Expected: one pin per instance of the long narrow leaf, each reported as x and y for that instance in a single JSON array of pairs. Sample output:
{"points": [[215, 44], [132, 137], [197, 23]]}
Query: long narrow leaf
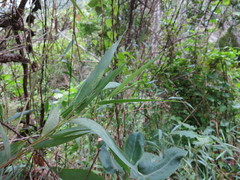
{"points": [[96, 75], [18, 114], [103, 82], [101, 132], [1, 112], [127, 101], [90, 86], [57, 141], [70, 132], [6, 143], [70, 44], [14, 149], [75, 4], [134, 100], [71, 174], [52, 121]]}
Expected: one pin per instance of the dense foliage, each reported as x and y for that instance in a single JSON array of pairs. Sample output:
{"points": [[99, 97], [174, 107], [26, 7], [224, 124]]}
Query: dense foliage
{"points": [[120, 89]]}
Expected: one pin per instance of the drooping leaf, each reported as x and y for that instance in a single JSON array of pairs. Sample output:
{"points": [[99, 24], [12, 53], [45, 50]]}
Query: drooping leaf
{"points": [[101, 132], [161, 170], [6, 143], [52, 121], [148, 162], [134, 147], [18, 114], [109, 164], [71, 174], [154, 168]]}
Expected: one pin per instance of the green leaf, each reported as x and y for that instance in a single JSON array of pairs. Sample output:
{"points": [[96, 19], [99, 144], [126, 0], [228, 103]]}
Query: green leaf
{"points": [[148, 162], [15, 148], [131, 77], [62, 136], [70, 132], [71, 174], [85, 93], [70, 45], [202, 140], [111, 85], [93, 3], [109, 164], [155, 168], [103, 82], [129, 101], [236, 106], [109, 23], [189, 134], [18, 114], [101, 132], [161, 170], [134, 147], [98, 10], [56, 141], [96, 75], [1, 112], [6, 143], [226, 2], [52, 121]]}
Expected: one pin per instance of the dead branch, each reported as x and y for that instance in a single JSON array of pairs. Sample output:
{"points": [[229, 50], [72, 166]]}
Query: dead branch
{"points": [[5, 58]]}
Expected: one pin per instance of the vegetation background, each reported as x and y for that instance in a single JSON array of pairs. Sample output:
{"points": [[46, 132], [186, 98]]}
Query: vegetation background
{"points": [[120, 89]]}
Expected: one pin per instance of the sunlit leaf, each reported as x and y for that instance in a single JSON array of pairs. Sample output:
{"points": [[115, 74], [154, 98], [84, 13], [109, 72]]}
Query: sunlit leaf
{"points": [[111, 85]]}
